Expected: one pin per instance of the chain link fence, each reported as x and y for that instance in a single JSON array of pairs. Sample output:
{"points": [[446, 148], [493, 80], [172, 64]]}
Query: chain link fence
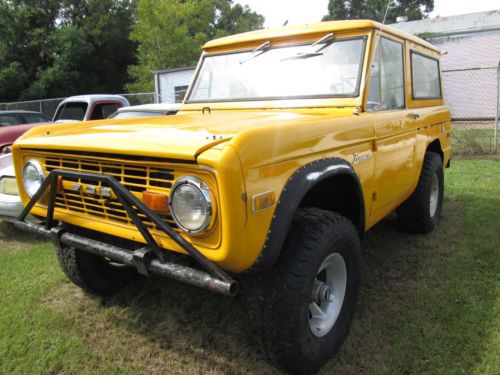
{"points": [[141, 98], [48, 106], [473, 96]]}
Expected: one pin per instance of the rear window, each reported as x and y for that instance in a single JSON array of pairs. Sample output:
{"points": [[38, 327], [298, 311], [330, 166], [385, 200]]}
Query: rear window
{"points": [[425, 77], [72, 111]]}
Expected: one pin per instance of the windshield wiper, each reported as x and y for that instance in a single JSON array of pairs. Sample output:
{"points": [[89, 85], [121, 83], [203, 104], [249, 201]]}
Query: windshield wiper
{"points": [[325, 41], [264, 47]]}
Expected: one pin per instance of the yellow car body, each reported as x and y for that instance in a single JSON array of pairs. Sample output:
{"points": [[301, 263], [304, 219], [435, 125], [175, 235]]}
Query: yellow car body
{"points": [[248, 151]]}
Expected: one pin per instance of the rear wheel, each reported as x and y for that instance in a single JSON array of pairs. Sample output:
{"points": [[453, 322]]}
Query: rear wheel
{"points": [[309, 300], [422, 211], [93, 273]]}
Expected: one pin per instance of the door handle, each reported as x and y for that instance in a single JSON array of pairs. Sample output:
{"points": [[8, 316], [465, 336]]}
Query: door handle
{"points": [[413, 115]]}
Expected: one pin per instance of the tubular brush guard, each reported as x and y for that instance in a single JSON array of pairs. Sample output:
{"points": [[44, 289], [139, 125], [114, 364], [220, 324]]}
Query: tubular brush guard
{"points": [[150, 259]]}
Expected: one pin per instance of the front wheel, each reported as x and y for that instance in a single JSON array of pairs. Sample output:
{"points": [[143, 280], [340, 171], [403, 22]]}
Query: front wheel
{"points": [[92, 273], [309, 302]]}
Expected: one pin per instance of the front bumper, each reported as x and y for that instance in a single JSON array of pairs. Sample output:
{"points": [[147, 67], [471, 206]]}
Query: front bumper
{"points": [[150, 259]]}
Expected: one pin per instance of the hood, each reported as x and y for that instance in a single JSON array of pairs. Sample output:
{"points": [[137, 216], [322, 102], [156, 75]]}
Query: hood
{"points": [[183, 136]]}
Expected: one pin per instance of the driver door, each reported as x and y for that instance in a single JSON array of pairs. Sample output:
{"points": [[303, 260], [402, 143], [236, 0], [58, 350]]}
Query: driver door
{"points": [[395, 133]]}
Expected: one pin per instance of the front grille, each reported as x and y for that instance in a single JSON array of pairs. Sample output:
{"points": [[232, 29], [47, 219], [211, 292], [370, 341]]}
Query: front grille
{"points": [[136, 177]]}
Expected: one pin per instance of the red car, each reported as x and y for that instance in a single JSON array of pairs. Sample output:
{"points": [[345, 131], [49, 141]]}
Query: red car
{"points": [[13, 124]]}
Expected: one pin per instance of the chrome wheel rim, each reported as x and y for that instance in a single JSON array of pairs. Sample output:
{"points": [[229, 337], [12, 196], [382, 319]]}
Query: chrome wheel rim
{"points": [[327, 295], [434, 197]]}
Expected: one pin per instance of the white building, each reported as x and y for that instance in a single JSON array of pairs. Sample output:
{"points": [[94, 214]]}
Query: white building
{"points": [[171, 85]]}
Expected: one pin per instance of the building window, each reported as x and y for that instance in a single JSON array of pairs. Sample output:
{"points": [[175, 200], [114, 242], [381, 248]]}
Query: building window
{"points": [[425, 77], [180, 92], [387, 79]]}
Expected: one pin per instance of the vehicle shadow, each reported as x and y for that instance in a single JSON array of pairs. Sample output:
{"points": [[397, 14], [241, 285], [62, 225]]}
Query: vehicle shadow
{"points": [[212, 333]]}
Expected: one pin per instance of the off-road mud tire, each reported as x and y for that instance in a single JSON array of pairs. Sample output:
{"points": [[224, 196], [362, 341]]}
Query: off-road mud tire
{"points": [[93, 273], [284, 312], [414, 215]]}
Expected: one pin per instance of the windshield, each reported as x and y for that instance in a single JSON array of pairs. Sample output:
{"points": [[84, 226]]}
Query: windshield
{"points": [[331, 70]]}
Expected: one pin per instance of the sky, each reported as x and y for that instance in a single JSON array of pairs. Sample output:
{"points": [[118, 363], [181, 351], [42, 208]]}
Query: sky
{"points": [[297, 12]]}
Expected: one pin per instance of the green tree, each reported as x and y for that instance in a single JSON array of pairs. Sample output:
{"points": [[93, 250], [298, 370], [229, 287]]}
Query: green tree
{"points": [[69, 72], [25, 28], [170, 33], [54, 48], [106, 26], [375, 9]]}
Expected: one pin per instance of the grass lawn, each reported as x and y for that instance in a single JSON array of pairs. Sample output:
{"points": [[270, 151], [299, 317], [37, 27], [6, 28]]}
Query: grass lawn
{"points": [[428, 304]]}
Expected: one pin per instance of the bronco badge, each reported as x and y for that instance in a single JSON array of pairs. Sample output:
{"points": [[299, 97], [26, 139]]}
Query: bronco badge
{"points": [[361, 157]]}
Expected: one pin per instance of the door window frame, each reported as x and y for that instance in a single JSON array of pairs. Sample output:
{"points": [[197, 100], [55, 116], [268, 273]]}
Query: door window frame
{"points": [[377, 36]]}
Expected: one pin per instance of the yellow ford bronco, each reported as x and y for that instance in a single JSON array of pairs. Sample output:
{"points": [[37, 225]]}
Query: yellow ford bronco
{"points": [[290, 144]]}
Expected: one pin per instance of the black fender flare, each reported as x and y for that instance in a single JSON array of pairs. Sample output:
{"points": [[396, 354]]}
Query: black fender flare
{"points": [[299, 183]]}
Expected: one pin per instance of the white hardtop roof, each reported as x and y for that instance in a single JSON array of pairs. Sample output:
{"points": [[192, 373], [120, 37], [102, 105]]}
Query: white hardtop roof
{"points": [[95, 97], [152, 107]]}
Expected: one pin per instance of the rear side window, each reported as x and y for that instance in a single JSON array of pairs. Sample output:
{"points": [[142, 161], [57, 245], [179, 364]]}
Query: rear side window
{"points": [[72, 111], [425, 77], [104, 110]]}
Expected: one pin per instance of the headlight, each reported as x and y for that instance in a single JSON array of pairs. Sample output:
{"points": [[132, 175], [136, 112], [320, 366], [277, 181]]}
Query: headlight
{"points": [[8, 185], [32, 177], [190, 204]]}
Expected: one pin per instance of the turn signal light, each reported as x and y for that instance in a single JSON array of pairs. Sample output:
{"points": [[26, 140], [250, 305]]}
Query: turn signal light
{"points": [[263, 201], [155, 201]]}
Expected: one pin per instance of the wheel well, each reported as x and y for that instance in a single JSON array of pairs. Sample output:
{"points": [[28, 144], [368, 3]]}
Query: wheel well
{"points": [[339, 194], [435, 146]]}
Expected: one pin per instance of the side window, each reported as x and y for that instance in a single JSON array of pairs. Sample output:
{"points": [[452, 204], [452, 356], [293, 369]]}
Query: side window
{"points": [[387, 78], [104, 110], [425, 80]]}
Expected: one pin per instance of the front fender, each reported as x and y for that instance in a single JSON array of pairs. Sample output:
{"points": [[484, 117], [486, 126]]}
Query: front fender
{"points": [[303, 180]]}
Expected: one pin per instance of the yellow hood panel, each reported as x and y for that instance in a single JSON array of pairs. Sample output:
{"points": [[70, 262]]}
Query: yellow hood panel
{"points": [[183, 136]]}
